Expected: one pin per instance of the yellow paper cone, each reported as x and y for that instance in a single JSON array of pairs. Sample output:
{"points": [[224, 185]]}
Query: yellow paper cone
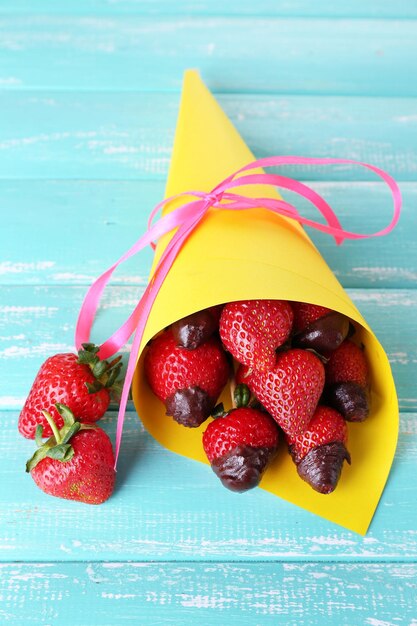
{"points": [[254, 254]]}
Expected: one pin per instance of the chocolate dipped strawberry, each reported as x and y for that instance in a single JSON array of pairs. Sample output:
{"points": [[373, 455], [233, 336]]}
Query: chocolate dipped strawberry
{"points": [[189, 382], [251, 330], [319, 452], [347, 377], [347, 364], [76, 462], [306, 313], [350, 399], [289, 391], [193, 330], [324, 334], [240, 445]]}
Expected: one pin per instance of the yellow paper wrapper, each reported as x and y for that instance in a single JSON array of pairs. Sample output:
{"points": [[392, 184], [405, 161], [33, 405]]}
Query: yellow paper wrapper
{"points": [[254, 254]]}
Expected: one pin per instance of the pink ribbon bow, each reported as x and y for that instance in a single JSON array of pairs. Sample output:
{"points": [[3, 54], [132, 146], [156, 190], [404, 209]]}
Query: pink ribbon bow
{"points": [[185, 219]]}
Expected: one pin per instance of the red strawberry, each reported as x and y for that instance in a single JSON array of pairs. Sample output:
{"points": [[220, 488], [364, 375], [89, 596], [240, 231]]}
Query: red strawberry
{"points": [[347, 364], [193, 330], [76, 463], [187, 381], [305, 314], [253, 329], [239, 446], [290, 391], [320, 450], [82, 382]]}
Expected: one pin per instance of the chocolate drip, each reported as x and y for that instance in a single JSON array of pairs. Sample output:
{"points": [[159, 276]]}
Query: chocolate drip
{"points": [[241, 469], [350, 399], [323, 335], [189, 407], [322, 466], [193, 330]]}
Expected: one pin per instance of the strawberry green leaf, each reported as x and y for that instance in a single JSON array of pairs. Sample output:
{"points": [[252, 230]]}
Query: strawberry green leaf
{"points": [[94, 387], [90, 347], [63, 452], [218, 411], [115, 361], [66, 414], [38, 435], [86, 358], [40, 454], [99, 368], [113, 376], [73, 430]]}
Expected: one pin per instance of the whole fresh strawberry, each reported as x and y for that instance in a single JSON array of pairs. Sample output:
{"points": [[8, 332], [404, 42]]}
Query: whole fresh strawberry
{"points": [[319, 452], [347, 364], [193, 330], [291, 390], [82, 382], [76, 462], [251, 330], [187, 381], [239, 445], [305, 314]]}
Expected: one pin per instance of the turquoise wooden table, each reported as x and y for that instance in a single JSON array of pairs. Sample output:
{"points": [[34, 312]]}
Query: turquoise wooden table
{"points": [[89, 98]]}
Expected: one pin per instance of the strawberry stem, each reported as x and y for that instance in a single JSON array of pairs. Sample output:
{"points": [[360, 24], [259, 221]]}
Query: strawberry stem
{"points": [[53, 426], [105, 372], [38, 435], [241, 396]]}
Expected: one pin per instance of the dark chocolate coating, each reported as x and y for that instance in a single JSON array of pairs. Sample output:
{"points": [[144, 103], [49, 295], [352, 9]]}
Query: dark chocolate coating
{"points": [[350, 399], [325, 334], [241, 469], [189, 407], [322, 466], [193, 330]]}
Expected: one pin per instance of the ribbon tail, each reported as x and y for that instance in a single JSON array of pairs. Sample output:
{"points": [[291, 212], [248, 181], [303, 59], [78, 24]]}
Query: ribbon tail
{"points": [[146, 303]]}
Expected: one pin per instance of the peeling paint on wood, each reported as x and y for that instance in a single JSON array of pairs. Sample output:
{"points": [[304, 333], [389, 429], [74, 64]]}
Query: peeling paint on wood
{"points": [[84, 135], [247, 594]]}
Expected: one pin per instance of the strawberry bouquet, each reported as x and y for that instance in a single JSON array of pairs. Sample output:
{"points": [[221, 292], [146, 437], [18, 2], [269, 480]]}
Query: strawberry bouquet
{"points": [[279, 349], [245, 344]]}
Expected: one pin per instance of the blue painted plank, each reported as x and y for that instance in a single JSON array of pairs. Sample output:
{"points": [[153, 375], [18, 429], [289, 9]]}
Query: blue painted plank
{"points": [[36, 321], [114, 215], [166, 507], [130, 135], [246, 594], [345, 57], [276, 8]]}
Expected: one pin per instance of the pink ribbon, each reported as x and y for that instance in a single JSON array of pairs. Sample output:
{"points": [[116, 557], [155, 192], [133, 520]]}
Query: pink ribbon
{"points": [[185, 220]]}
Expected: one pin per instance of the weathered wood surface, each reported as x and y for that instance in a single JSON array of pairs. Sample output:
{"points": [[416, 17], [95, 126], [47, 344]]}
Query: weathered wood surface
{"points": [[89, 98], [278, 8], [115, 134], [250, 54], [257, 594]]}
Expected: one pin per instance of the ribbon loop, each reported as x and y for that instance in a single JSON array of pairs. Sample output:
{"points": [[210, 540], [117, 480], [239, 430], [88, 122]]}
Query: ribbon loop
{"points": [[183, 220]]}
